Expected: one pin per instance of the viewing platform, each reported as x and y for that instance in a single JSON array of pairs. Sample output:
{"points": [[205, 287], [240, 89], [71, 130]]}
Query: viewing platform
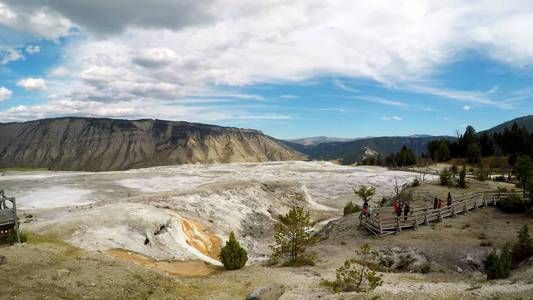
{"points": [[8, 216], [383, 221]]}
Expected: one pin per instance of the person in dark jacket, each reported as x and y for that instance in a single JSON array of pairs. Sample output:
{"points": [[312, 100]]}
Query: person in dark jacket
{"points": [[435, 203], [449, 200], [406, 210]]}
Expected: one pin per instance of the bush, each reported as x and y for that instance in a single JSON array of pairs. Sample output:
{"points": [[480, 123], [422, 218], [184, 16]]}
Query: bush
{"points": [[498, 265], [351, 208], [416, 182], [512, 204], [232, 255], [426, 268], [445, 177], [357, 274], [523, 248]]}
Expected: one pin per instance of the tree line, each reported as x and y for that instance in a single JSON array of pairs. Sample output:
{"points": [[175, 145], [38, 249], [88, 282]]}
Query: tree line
{"points": [[512, 142]]}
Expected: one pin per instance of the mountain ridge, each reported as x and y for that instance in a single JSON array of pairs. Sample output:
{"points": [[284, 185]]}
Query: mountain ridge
{"points": [[102, 144]]}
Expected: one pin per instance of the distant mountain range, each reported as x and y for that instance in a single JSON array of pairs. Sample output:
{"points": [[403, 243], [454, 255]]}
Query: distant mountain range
{"points": [[349, 151], [108, 144], [99, 144], [526, 121], [352, 151]]}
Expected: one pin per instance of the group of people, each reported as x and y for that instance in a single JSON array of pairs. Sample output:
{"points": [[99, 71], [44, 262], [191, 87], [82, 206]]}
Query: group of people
{"points": [[401, 207], [438, 203]]}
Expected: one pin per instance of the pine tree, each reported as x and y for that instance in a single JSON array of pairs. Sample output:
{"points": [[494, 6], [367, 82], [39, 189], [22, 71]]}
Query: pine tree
{"points": [[292, 238], [365, 193], [232, 255], [523, 248]]}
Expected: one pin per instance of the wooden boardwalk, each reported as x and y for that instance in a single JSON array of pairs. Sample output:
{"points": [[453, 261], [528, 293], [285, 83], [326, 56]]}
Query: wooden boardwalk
{"points": [[8, 216], [383, 221]]}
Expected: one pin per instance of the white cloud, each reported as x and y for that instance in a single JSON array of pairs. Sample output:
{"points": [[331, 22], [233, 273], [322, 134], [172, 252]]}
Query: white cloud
{"points": [[5, 93], [466, 107], [393, 118], [32, 49], [39, 21], [383, 101], [155, 51], [10, 55], [32, 84]]}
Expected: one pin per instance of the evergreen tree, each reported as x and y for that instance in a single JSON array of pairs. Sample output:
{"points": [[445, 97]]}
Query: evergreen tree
{"points": [[365, 193], [292, 238], [523, 248], [524, 170], [232, 255], [498, 265]]}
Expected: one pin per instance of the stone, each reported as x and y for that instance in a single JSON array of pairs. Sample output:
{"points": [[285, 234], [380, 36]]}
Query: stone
{"points": [[3, 260], [270, 292]]}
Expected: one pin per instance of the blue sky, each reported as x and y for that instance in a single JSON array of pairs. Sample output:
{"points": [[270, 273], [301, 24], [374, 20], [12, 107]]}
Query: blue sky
{"points": [[354, 74]]}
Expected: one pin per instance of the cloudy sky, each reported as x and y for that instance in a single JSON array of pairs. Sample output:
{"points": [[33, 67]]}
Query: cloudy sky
{"points": [[290, 68]]}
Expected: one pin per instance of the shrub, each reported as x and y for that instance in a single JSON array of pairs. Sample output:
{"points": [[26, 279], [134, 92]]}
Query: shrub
{"points": [[498, 265], [351, 208], [292, 237], [357, 274], [426, 268], [416, 182], [523, 248], [512, 204], [445, 177], [232, 255], [462, 178]]}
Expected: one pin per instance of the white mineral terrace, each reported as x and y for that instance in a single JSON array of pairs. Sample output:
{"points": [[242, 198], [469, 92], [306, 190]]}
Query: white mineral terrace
{"points": [[151, 205]]}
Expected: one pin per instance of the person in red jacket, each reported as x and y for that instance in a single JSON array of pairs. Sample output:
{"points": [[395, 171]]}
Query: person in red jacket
{"points": [[397, 207]]}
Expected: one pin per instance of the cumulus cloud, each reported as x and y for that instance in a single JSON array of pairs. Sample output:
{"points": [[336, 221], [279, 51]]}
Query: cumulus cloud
{"points": [[10, 55], [103, 16], [39, 21], [32, 84], [466, 107], [32, 49], [166, 50], [155, 57], [5, 93]]}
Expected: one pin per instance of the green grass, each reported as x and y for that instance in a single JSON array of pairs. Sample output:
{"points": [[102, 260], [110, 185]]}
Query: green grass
{"points": [[22, 169]]}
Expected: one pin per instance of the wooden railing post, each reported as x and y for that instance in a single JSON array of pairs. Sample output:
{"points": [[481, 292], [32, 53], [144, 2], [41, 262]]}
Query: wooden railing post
{"points": [[426, 221], [416, 223], [398, 227], [440, 215]]}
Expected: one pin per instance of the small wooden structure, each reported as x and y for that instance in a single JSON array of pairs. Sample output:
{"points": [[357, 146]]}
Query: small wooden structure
{"points": [[383, 221], [8, 216]]}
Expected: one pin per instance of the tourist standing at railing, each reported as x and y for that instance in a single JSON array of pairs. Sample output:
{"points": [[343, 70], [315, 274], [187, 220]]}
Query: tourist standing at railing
{"points": [[449, 200], [406, 210], [397, 207], [439, 203], [435, 203]]}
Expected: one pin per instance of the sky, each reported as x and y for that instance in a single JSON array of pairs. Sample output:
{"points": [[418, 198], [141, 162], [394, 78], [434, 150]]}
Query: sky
{"points": [[291, 69]]}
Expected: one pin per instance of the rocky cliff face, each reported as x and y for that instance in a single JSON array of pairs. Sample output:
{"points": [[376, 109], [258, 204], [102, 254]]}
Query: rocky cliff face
{"points": [[109, 144]]}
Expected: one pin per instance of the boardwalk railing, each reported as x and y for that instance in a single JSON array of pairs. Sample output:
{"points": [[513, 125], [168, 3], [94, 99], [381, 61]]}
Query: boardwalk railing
{"points": [[384, 220], [8, 216]]}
